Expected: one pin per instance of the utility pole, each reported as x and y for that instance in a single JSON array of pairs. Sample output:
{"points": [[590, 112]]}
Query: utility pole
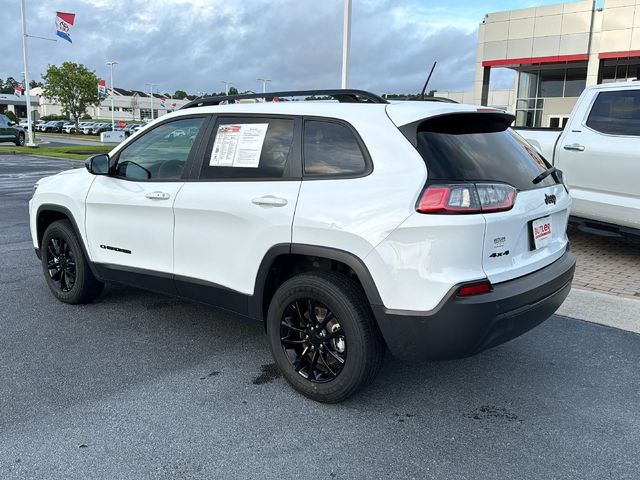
{"points": [[227, 83], [346, 42], [26, 76], [113, 121], [264, 83], [151, 85]]}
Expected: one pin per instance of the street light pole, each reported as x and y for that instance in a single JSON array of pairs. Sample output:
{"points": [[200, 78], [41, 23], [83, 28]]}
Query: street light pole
{"points": [[26, 77], [264, 83], [151, 85], [226, 86], [346, 42], [113, 120]]}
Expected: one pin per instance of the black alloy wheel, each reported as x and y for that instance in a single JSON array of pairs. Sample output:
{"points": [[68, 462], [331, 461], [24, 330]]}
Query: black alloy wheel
{"points": [[65, 266], [61, 264], [322, 335], [313, 340]]}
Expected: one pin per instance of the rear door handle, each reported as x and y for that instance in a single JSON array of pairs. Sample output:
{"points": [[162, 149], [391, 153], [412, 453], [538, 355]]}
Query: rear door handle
{"points": [[576, 147], [269, 201], [157, 195]]}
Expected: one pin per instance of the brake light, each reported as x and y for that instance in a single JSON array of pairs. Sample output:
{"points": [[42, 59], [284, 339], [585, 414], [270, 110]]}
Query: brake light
{"points": [[467, 198], [475, 289]]}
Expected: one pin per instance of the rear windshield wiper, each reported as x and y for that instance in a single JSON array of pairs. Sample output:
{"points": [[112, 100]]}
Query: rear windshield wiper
{"points": [[545, 174]]}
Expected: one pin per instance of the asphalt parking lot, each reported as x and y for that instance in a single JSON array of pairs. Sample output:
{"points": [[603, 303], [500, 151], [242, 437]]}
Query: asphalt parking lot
{"points": [[137, 385]]}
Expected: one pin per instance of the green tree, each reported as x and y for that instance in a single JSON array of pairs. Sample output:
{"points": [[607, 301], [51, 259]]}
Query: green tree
{"points": [[9, 85], [233, 91], [180, 95], [74, 86], [11, 116]]}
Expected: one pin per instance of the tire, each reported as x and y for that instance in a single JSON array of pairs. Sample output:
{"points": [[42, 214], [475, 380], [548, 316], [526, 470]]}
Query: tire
{"points": [[356, 339], [20, 141], [65, 267]]}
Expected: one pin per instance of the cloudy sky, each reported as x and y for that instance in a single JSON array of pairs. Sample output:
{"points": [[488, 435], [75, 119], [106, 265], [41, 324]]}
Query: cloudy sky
{"points": [[195, 44]]}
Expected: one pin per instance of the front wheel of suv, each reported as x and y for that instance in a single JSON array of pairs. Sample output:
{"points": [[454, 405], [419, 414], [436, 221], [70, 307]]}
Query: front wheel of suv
{"points": [[323, 337], [65, 267]]}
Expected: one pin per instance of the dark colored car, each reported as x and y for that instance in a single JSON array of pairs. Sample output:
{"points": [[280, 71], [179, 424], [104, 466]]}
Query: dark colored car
{"points": [[55, 127], [10, 131]]}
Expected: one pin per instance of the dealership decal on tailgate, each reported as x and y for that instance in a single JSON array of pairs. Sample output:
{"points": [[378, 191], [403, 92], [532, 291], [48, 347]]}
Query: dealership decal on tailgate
{"points": [[541, 232]]}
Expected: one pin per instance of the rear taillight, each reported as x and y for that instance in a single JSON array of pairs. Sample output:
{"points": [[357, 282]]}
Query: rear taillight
{"points": [[475, 289], [467, 198]]}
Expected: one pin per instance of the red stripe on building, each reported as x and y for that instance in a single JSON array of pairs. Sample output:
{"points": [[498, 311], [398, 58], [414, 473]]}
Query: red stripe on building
{"points": [[630, 53], [527, 61]]}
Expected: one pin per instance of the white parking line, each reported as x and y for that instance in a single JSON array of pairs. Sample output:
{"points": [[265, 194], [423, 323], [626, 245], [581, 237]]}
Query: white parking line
{"points": [[595, 307]]}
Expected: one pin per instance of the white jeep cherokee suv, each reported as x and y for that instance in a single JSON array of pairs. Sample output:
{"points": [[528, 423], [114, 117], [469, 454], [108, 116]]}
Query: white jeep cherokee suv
{"points": [[346, 227]]}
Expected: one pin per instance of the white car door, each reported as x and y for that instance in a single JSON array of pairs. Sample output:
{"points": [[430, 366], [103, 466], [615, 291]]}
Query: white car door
{"points": [[239, 205], [602, 162], [129, 213]]}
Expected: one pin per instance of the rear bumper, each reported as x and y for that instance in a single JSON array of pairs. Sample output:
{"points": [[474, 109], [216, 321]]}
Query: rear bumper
{"points": [[464, 326]]}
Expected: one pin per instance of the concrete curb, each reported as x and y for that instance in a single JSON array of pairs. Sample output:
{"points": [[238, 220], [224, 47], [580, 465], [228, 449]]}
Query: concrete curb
{"points": [[595, 307]]}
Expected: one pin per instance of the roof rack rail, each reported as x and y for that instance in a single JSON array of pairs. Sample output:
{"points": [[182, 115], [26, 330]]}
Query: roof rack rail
{"points": [[341, 95]]}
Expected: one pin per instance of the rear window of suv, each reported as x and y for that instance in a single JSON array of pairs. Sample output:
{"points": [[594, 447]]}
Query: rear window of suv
{"points": [[478, 147]]}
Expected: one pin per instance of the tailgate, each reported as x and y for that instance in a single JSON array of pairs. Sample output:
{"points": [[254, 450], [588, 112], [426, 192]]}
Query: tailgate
{"points": [[512, 247]]}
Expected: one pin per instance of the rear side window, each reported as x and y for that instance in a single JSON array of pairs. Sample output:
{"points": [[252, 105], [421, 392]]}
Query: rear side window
{"points": [[247, 148], [478, 147], [331, 148], [616, 113]]}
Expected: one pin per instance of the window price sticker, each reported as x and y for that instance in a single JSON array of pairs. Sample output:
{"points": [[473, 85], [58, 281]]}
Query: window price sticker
{"points": [[238, 145]]}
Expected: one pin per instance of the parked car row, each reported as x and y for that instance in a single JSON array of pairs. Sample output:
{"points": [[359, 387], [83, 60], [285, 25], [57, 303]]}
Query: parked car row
{"points": [[85, 128]]}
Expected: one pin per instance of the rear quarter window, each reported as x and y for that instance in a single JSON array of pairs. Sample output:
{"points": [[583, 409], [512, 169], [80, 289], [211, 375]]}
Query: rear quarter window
{"points": [[332, 149]]}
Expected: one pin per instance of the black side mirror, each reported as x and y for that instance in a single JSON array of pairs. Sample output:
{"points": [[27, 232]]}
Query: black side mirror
{"points": [[12, 123], [98, 164]]}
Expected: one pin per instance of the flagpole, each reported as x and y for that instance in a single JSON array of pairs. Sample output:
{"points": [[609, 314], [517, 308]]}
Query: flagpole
{"points": [[113, 121], [26, 76]]}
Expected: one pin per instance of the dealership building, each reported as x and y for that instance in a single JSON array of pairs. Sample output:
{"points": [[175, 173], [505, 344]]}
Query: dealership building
{"points": [[127, 105], [556, 51]]}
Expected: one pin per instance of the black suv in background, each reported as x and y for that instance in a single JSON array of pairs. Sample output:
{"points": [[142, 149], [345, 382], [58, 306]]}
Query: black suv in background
{"points": [[10, 131], [54, 127]]}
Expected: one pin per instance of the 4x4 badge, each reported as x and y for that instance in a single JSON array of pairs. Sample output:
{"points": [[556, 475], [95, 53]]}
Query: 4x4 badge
{"points": [[549, 199]]}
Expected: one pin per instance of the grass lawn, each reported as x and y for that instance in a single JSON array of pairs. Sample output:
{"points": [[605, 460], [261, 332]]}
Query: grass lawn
{"points": [[80, 152]]}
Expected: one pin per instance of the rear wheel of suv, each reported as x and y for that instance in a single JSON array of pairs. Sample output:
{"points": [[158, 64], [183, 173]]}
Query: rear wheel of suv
{"points": [[65, 267], [323, 337], [20, 141]]}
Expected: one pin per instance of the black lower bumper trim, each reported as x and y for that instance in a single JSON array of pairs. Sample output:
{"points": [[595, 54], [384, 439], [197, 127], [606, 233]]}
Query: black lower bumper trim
{"points": [[464, 326]]}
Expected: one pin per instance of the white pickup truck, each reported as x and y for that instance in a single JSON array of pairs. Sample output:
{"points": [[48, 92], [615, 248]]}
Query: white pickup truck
{"points": [[599, 153]]}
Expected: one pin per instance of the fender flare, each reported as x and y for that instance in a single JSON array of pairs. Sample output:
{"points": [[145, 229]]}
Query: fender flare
{"points": [[349, 259], [66, 212]]}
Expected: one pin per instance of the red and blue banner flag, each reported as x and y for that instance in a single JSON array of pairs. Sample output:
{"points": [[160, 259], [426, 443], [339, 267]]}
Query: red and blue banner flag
{"points": [[64, 21]]}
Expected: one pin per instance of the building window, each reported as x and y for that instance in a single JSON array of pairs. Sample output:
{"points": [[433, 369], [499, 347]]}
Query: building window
{"points": [[575, 82], [619, 70], [536, 85], [552, 83], [146, 113]]}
